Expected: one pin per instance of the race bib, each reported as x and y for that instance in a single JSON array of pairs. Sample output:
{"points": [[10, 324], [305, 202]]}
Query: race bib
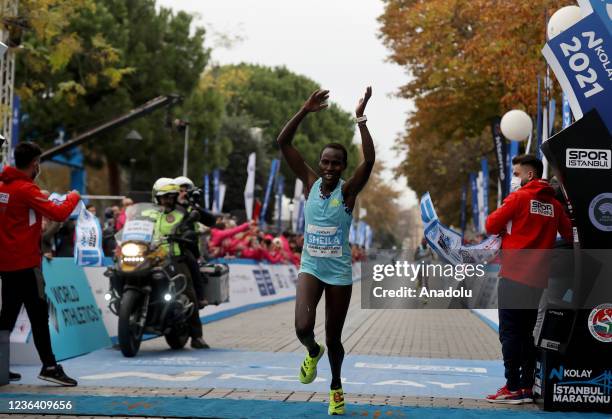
{"points": [[323, 242], [138, 230]]}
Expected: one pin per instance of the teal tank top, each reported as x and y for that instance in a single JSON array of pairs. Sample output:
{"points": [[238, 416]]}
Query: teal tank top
{"points": [[327, 253]]}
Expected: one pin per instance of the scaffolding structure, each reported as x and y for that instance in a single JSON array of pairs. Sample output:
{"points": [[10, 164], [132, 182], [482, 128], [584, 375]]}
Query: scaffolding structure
{"points": [[8, 8]]}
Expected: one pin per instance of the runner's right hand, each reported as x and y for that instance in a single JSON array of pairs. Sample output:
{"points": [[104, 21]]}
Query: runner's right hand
{"points": [[316, 101]]}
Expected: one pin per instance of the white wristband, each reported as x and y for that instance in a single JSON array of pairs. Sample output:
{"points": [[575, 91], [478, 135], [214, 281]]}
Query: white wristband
{"points": [[361, 119]]}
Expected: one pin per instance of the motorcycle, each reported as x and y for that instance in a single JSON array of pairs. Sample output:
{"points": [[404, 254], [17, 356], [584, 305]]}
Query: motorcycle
{"points": [[148, 285]]}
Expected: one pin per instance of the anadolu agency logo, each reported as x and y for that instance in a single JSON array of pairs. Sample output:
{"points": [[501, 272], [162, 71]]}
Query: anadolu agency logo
{"points": [[600, 323], [600, 211]]}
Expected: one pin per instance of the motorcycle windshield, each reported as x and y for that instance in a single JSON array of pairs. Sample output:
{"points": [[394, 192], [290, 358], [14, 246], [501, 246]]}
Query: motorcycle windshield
{"points": [[140, 223]]}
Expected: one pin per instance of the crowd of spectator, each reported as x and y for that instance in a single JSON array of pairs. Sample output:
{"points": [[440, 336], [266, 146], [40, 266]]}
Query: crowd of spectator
{"points": [[226, 239]]}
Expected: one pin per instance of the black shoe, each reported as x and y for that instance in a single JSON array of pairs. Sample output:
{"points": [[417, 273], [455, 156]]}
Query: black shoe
{"points": [[13, 376], [56, 375], [199, 343]]}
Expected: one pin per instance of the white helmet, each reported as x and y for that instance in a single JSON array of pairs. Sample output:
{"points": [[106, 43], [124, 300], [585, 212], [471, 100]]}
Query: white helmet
{"points": [[184, 181], [164, 186]]}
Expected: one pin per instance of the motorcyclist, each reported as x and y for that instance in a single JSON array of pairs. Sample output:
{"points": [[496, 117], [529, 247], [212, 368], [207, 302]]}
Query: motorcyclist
{"points": [[174, 219], [189, 199]]}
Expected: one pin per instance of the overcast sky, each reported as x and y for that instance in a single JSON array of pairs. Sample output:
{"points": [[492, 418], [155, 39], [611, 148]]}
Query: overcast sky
{"points": [[333, 42]]}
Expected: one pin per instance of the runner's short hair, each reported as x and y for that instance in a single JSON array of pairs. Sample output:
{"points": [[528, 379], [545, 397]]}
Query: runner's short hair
{"points": [[336, 146], [531, 161]]}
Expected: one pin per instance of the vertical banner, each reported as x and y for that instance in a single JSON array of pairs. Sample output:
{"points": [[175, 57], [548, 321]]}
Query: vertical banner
{"points": [[16, 122], [552, 113], [206, 191], [300, 221], [475, 210], [538, 153], [222, 189], [480, 197], [485, 188], [273, 170], [580, 58], [361, 235], [500, 153], [280, 191], [368, 237], [463, 220], [508, 165], [567, 112], [298, 201], [353, 233], [249, 189], [216, 206]]}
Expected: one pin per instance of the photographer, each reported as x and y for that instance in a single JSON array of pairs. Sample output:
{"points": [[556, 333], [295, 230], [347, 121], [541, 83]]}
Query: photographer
{"points": [[22, 207]]}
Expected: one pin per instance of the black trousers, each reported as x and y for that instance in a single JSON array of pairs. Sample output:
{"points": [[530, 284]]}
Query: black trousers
{"points": [[27, 287], [516, 333], [195, 324]]}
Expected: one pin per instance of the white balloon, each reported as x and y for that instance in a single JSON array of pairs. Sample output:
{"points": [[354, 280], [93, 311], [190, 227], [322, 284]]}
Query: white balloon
{"points": [[516, 125], [563, 19]]}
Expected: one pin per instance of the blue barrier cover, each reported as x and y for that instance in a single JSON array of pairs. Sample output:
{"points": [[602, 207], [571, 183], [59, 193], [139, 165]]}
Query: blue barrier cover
{"points": [[75, 321]]}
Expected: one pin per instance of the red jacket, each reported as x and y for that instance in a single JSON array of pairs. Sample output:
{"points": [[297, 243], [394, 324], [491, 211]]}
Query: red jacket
{"points": [[529, 219], [22, 206]]}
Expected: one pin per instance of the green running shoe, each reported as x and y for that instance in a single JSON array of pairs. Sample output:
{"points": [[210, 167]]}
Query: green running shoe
{"points": [[336, 402], [308, 370]]}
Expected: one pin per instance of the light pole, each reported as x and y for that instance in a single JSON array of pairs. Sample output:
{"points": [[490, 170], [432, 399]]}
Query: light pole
{"points": [[133, 135], [180, 123]]}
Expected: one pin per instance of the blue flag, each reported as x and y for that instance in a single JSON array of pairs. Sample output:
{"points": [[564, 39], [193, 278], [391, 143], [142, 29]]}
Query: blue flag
{"points": [[485, 186], [280, 190], [475, 209], [463, 220], [273, 170], [567, 113], [216, 195]]}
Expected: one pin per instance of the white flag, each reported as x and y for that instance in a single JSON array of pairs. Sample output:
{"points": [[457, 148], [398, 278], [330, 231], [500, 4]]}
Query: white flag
{"points": [[222, 187], [298, 199], [249, 189]]}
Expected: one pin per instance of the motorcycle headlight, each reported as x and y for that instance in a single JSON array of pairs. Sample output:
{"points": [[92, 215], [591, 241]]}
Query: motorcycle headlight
{"points": [[132, 250]]}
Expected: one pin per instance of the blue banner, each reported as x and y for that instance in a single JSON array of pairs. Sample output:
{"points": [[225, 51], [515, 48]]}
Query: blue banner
{"points": [[369, 237], [361, 233], [567, 113], [475, 209], [449, 244], [514, 149], [300, 219], [603, 8], [552, 113], [273, 170], [206, 192], [353, 233], [580, 58], [539, 131], [216, 196], [75, 321], [463, 220], [500, 154], [280, 190], [485, 186], [16, 121]]}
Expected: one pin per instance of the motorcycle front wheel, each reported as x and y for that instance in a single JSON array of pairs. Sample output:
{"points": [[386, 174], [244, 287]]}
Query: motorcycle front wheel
{"points": [[130, 332]]}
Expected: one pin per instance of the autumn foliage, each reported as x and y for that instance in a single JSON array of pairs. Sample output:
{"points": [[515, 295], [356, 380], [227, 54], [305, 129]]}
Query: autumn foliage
{"points": [[469, 61]]}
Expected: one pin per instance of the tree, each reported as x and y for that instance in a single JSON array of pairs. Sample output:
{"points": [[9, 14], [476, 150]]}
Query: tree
{"points": [[270, 97], [470, 61], [380, 201], [147, 53]]}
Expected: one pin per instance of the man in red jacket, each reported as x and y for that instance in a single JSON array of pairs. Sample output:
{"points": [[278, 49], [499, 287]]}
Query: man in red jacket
{"points": [[528, 219], [22, 206]]}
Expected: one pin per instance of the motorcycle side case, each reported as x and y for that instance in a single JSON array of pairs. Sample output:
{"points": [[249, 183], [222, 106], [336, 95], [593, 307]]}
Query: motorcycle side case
{"points": [[216, 289]]}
